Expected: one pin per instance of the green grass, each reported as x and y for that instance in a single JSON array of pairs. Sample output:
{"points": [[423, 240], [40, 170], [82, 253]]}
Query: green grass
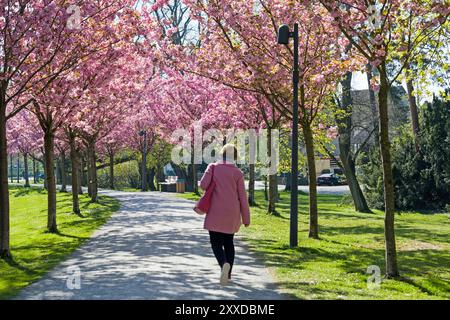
{"points": [[335, 267], [34, 250], [129, 189]]}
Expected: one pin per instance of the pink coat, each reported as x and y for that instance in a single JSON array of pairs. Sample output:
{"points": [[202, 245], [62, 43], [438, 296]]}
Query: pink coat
{"points": [[229, 206]]}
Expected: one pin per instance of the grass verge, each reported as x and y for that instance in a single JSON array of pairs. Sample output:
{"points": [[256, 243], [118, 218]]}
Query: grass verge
{"points": [[35, 251], [336, 266]]}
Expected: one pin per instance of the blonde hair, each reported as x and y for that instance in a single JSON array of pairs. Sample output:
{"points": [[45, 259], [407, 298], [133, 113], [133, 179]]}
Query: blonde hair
{"points": [[229, 151]]}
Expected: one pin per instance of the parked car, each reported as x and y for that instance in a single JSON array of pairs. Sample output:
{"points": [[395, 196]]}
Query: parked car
{"points": [[328, 179]]}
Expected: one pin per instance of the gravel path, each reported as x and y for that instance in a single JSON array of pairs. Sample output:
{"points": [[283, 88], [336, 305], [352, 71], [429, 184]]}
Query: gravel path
{"points": [[153, 248]]}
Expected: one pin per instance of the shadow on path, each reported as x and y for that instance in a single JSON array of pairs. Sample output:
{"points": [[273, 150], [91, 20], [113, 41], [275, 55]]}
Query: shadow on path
{"points": [[154, 247]]}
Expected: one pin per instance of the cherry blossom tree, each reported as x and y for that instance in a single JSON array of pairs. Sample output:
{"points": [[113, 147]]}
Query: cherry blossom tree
{"points": [[41, 41]]}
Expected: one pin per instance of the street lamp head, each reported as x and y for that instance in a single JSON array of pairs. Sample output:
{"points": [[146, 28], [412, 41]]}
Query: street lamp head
{"points": [[283, 34], [142, 133]]}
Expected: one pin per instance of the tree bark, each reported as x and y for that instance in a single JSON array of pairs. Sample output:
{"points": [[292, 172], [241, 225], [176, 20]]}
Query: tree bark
{"points": [[251, 185], [63, 172], [50, 178], [373, 104], [111, 170], [288, 182], [93, 173], [45, 174], [359, 200], [388, 181], [151, 179], [89, 173], [273, 181], [266, 193], [413, 106], [81, 180], [18, 168], [345, 125], [194, 176], [34, 171], [75, 177], [4, 192], [11, 168], [25, 162], [58, 170], [310, 154], [159, 176]]}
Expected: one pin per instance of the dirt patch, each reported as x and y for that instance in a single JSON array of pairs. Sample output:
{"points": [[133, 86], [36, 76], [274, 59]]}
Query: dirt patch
{"points": [[415, 245]]}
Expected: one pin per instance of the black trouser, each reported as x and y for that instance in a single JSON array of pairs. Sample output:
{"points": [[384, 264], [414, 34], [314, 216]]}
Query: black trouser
{"points": [[223, 247]]}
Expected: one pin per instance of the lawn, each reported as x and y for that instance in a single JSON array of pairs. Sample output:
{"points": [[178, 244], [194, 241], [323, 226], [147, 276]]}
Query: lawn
{"points": [[128, 189], [335, 267], [34, 250]]}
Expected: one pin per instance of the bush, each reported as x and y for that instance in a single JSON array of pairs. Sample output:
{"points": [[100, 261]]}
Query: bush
{"points": [[126, 175], [421, 179]]}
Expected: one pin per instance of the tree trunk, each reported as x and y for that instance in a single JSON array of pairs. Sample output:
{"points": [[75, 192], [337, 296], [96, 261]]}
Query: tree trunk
{"points": [[89, 174], [25, 162], [151, 179], [266, 193], [58, 171], [143, 172], [11, 168], [18, 168], [195, 178], [252, 168], [373, 103], [75, 177], [345, 125], [273, 181], [413, 107], [51, 183], [63, 172], [288, 178], [81, 181], [93, 173], [359, 200], [388, 181], [251, 185], [111, 170], [4, 192], [160, 176], [34, 171], [310, 154], [194, 175], [45, 175]]}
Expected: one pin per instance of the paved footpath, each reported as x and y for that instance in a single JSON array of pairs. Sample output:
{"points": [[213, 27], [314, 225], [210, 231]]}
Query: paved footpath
{"points": [[153, 248]]}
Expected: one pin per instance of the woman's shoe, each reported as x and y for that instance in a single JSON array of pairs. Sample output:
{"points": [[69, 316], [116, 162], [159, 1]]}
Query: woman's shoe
{"points": [[224, 275]]}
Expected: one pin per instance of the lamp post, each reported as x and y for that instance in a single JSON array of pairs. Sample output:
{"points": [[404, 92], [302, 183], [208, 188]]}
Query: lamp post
{"points": [[143, 133], [284, 34]]}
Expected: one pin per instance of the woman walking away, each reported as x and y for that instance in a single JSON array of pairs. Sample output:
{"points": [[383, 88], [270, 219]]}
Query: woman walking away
{"points": [[229, 208]]}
